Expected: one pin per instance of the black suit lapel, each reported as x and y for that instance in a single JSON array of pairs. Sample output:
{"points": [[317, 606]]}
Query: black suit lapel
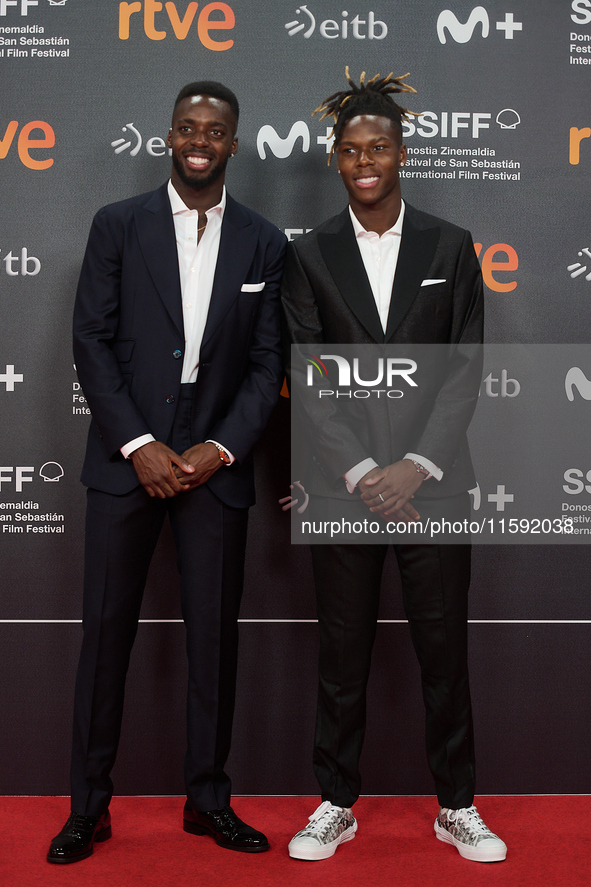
{"points": [[238, 242], [343, 260], [417, 248], [155, 230]]}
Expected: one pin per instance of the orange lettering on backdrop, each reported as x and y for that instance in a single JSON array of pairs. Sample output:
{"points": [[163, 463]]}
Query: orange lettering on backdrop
{"points": [[574, 145], [488, 265], [205, 25], [181, 26], [6, 142], [25, 144], [126, 10], [150, 8]]}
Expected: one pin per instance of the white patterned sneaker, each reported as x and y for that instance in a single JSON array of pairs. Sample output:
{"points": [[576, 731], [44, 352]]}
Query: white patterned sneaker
{"points": [[329, 827], [467, 832]]}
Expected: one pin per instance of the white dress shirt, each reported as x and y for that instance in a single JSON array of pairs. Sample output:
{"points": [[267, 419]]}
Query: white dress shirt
{"points": [[380, 258], [197, 263]]}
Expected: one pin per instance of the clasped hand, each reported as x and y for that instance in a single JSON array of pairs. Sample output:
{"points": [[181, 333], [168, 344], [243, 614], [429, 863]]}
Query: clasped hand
{"points": [[164, 474], [387, 491]]}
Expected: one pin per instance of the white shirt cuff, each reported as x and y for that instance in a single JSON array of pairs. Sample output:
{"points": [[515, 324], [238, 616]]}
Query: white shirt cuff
{"points": [[354, 475], [435, 472], [228, 453], [135, 444]]}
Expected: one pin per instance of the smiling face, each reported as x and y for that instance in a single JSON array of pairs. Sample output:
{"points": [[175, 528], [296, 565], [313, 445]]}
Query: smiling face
{"points": [[369, 156], [202, 137]]}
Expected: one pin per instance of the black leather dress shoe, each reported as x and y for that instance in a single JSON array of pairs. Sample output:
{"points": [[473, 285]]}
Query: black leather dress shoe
{"points": [[226, 828], [76, 839]]}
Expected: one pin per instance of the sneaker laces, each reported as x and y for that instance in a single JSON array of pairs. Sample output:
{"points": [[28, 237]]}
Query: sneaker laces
{"points": [[470, 817], [324, 818]]}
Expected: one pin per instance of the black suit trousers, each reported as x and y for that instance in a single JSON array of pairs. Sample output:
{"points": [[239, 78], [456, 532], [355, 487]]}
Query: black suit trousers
{"points": [[435, 581], [121, 534]]}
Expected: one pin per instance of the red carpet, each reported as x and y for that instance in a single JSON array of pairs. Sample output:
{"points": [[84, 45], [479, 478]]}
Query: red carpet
{"points": [[549, 844]]}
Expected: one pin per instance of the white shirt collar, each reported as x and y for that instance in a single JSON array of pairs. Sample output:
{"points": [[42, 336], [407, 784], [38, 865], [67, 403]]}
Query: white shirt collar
{"points": [[396, 228], [178, 205]]}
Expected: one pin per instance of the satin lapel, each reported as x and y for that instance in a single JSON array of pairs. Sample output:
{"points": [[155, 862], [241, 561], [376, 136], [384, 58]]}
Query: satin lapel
{"points": [[155, 230], [343, 260], [238, 242], [417, 249]]}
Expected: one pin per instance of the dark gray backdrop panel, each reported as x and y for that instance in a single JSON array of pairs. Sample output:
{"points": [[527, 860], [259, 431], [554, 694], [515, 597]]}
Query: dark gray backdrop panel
{"points": [[529, 637]]}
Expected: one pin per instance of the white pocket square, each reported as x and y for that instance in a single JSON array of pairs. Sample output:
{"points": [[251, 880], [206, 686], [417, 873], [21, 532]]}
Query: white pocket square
{"points": [[252, 287], [429, 282]]}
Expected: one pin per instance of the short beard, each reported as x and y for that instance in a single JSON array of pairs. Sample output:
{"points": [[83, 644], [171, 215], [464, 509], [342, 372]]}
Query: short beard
{"points": [[199, 184]]}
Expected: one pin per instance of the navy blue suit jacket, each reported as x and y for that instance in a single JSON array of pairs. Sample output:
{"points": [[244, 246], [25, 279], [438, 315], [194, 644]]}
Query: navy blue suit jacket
{"points": [[129, 339], [437, 299]]}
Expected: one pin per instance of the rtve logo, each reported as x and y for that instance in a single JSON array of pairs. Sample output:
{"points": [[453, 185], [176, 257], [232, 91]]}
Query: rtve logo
{"points": [[582, 8], [576, 136], [224, 20], [358, 28], [463, 32], [489, 263], [24, 5], [26, 144]]}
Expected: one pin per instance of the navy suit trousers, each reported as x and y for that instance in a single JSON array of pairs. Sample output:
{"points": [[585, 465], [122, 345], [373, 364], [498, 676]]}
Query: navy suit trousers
{"points": [[435, 581], [121, 534]]}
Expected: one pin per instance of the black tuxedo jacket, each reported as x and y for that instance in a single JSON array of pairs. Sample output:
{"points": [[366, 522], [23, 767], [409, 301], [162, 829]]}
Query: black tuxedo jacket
{"points": [[437, 298], [129, 339]]}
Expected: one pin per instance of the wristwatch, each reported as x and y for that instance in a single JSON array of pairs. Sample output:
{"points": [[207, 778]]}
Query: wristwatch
{"points": [[421, 468], [224, 457]]}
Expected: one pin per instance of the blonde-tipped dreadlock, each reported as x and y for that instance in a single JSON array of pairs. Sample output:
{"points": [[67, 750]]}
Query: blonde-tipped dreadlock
{"points": [[371, 97]]}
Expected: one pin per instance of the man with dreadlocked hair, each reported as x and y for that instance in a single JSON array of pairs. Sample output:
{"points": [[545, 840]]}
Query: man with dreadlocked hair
{"points": [[383, 272]]}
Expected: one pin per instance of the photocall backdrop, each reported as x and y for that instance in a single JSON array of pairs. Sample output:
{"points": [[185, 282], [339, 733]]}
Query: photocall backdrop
{"points": [[503, 147]]}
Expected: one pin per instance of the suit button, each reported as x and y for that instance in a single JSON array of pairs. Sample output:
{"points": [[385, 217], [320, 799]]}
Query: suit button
{"points": [[170, 399], [176, 354]]}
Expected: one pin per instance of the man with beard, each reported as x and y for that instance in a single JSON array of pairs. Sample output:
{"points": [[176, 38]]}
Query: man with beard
{"points": [[177, 348]]}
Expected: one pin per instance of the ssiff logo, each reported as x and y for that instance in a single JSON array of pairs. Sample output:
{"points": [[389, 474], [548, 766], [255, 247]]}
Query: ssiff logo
{"points": [[206, 25], [357, 27], [462, 32], [24, 5], [51, 472], [581, 12]]}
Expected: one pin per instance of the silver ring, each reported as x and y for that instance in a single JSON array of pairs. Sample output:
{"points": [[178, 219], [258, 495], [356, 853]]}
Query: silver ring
{"points": [[381, 497]]}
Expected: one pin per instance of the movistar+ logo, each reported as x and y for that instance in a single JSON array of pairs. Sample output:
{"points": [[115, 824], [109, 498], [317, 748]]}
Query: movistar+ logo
{"points": [[462, 32]]}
